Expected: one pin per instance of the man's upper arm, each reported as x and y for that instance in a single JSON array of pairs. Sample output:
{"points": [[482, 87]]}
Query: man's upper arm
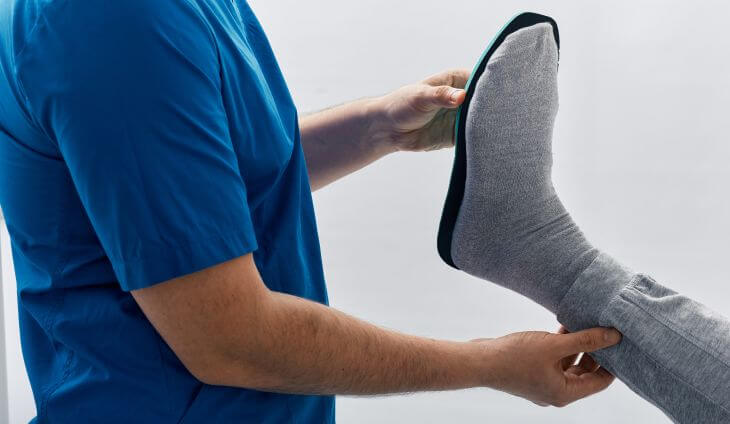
{"points": [[130, 93]]}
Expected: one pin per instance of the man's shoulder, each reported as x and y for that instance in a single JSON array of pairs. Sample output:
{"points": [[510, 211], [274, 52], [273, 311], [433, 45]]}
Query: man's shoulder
{"points": [[72, 38], [78, 23]]}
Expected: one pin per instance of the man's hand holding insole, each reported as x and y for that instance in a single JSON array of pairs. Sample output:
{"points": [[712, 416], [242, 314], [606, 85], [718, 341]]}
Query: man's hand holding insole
{"points": [[420, 117], [416, 117], [539, 366]]}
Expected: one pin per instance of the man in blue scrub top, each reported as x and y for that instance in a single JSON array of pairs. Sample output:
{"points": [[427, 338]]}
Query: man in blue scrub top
{"points": [[153, 179]]}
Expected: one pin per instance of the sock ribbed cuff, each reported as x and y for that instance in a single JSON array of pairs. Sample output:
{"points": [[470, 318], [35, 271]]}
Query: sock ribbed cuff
{"points": [[595, 287]]}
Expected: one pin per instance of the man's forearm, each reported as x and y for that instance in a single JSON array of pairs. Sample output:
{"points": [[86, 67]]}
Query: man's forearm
{"points": [[341, 140], [228, 328], [305, 347]]}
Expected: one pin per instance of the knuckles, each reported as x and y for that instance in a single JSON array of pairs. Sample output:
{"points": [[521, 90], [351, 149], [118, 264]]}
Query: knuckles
{"points": [[587, 340], [560, 403], [443, 92]]}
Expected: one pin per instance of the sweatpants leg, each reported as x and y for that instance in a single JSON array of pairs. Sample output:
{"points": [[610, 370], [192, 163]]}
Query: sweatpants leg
{"points": [[675, 352]]}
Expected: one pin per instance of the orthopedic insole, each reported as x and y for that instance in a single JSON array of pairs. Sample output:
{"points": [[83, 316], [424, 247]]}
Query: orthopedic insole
{"points": [[503, 220], [455, 194]]}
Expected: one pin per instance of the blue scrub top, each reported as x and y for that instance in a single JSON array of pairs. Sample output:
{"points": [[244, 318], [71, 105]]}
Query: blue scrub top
{"points": [[140, 141]]}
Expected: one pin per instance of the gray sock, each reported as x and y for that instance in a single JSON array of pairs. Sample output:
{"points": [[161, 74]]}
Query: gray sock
{"points": [[512, 228]]}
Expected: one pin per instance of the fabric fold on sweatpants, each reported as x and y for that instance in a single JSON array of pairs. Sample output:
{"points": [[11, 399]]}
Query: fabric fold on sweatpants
{"points": [[674, 352]]}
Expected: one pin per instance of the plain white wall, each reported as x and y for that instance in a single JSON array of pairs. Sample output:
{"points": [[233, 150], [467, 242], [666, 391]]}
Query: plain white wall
{"points": [[19, 397], [641, 153]]}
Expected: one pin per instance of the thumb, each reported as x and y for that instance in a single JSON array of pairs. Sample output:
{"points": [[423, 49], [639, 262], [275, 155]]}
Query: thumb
{"points": [[588, 340], [445, 96]]}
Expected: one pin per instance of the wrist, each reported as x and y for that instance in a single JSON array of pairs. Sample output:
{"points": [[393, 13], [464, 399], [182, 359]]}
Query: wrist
{"points": [[378, 129], [482, 364], [467, 365]]}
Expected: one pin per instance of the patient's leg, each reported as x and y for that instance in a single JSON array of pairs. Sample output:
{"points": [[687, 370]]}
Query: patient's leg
{"points": [[513, 230], [675, 352]]}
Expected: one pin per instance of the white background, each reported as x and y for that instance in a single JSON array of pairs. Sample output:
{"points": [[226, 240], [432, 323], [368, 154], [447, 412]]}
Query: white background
{"points": [[641, 160]]}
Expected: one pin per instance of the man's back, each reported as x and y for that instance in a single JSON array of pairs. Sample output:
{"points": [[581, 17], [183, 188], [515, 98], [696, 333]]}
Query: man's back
{"points": [[141, 141]]}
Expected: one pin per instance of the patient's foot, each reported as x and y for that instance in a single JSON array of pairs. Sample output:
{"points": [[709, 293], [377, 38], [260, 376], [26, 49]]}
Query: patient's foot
{"points": [[512, 228]]}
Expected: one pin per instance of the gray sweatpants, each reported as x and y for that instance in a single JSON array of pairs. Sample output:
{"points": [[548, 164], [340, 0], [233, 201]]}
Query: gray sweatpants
{"points": [[675, 352]]}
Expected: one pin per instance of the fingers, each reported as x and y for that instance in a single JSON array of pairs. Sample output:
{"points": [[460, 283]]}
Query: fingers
{"points": [[569, 361], [583, 375], [442, 96], [443, 90], [588, 340], [455, 78], [589, 383], [587, 363]]}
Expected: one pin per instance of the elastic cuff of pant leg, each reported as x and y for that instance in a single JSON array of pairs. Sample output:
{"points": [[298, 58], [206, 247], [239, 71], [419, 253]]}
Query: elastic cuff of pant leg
{"points": [[595, 287]]}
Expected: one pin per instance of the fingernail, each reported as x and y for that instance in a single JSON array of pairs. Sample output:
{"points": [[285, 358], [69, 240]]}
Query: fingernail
{"points": [[455, 95], [612, 336]]}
